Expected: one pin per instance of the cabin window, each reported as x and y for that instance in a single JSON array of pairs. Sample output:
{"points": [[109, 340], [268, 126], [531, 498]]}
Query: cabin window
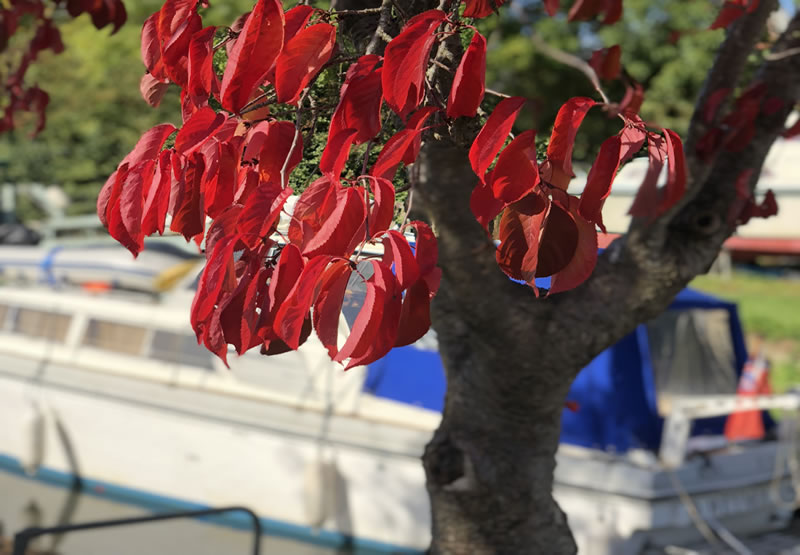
{"points": [[114, 337], [180, 348], [41, 324], [692, 353], [3, 315]]}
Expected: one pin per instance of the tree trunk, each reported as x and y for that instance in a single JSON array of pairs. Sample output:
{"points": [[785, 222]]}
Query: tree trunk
{"points": [[490, 464], [510, 358]]}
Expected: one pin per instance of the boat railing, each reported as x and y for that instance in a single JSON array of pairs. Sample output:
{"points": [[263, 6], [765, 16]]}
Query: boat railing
{"points": [[23, 538], [685, 409]]}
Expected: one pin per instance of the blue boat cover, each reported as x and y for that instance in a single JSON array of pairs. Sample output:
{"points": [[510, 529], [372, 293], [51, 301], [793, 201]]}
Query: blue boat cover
{"points": [[615, 393]]}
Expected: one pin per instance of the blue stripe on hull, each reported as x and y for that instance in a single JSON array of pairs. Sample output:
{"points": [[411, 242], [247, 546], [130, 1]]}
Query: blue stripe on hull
{"points": [[159, 503]]}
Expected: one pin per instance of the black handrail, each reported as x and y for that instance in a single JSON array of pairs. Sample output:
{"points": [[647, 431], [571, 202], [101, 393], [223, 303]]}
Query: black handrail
{"points": [[24, 537]]}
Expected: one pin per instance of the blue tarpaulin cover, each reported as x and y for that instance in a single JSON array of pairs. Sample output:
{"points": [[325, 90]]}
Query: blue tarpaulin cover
{"points": [[615, 393]]}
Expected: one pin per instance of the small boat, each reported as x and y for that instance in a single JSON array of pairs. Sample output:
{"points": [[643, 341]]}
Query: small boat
{"points": [[111, 385]]}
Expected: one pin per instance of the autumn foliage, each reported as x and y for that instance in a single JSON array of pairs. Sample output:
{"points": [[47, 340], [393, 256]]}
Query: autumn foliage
{"points": [[222, 179]]}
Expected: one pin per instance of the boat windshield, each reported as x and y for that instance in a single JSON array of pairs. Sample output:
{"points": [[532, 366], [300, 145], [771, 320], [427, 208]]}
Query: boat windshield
{"points": [[692, 353]]}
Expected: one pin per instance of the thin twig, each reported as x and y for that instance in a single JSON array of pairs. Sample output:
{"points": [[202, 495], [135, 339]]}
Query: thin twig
{"points": [[781, 55], [250, 105], [380, 31], [356, 12], [297, 124], [366, 158], [571, 60], [497, 93], [408, 209]]}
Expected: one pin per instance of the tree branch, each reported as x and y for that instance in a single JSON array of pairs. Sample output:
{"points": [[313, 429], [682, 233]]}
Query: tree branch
{"points": [[640, 273]]}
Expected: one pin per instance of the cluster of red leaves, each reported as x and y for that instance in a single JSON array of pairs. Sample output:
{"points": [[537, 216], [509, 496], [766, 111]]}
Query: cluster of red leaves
{"points": [[732, 132], [233, 169], [256, 291], [22, 98], [581, 10], [545, 231]]}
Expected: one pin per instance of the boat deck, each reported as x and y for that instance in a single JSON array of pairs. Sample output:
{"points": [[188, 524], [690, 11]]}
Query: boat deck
{"points": [[784, 542]]}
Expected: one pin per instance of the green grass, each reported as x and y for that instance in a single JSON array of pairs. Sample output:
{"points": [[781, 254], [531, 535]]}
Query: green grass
{"points": [[770, 308]]}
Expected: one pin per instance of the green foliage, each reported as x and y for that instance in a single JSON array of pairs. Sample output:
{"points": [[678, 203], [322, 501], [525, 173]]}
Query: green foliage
{"points": [[671, 72], [96, 113]]}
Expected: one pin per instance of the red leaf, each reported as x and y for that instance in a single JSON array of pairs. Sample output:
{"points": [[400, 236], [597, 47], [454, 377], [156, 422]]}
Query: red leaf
{"points": [[391, 156], [152, 89], [222, 226], [403, 146], [149, 145], [516, 173], [341, 227], [606, 62], [415, 316], [360, 100], [482, 8], [296, 19], [201, 77], [713, 103], [125, 206], [484, 205], [310, 211], [646, 202], [767, 208], [386, 333], [397, 251], [336, 153], [253, 54], [301, 59], [676, 171], [551, 7], [328, 306], [493, 134], [382, 212], [171, 16], [426, 250], [519, 232], [582, 264], [261, 213], [222, 169], [469, 82], [406, 60], [175, 55], [562, 140], [557, 243], [217, 275], [375, 328], [197, 130], [188, 218], [157, 198], [151, 47], [583, 10], [417, 122], [291, 315], [237, 315], [731, 11], [271, 142], [599, 180], [287, 272], [632, 138]]}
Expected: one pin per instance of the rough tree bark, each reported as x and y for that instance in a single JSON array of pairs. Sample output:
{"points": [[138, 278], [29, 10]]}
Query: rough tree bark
{"points": [[510, 358]]}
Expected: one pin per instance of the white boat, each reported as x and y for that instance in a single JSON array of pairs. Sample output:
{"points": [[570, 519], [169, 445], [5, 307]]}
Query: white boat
{"points": [[112, 386]]}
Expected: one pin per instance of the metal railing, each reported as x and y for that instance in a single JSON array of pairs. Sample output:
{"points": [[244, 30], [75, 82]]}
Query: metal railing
{"points": [[23, 538]]}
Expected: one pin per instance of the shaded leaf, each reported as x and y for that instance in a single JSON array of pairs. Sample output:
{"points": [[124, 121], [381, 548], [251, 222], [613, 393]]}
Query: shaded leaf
{"points": [[469, 82]]}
